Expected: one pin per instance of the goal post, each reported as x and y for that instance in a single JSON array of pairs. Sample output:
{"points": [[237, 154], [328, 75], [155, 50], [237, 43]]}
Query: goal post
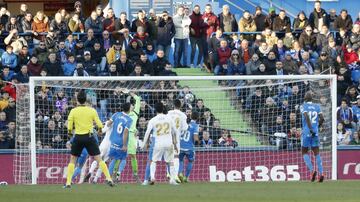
{"points": [[253, 139]]}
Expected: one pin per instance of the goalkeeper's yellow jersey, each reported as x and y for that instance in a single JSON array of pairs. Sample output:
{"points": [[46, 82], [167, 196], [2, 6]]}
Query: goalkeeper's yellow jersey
{"points": [[82, 118]]}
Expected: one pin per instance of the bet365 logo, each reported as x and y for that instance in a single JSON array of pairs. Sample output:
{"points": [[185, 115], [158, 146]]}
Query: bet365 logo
{"points": [[257, 173]]}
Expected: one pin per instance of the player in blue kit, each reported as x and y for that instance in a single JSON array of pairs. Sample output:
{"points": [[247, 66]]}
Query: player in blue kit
{"points": [[187, 141], [121, 123], [312, 120], [147, 169]]}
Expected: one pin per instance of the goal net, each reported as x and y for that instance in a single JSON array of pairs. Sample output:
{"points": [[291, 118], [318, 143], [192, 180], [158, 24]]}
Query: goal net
{"points": [[250, 127]]}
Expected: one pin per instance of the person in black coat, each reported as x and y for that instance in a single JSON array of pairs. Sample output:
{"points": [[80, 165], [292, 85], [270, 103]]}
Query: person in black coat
{"points": [[317, 15], [89, 64], [270, 63], [134, 50], [146, 66], [53, 66], [98, 54], [123, 66], [343, 21], [227, 18], [260, 19], [166, 31], [282, 24], [160, 62]]}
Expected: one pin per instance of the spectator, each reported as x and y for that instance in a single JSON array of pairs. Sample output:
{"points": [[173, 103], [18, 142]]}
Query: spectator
{"points": [[9, 59], [75, 24], [318, 17], [122, 23], [153, 26], [15, 41], [210, 20], [354, 38], [351, 95], [344, 114], [182, 23], [4, 102], [39, 26], [109, 21], [7, 74], [223, 54], [26, 28], [227, 20], [69, 66], [343, 81], [70, 43], [207, 120], [23, 57], [214, 44], [324, 63], [4, 17], [282, 24], [78, 10], [90, 65], [23, 75], [113, 71], [288, 40], [307, 40], [13, 24], [270, 18], [215, 131], [356, 139], [197, 36], [323, 37], [332, 18], [165, 31], [107, 42], [160, 62], [49, 132], [113, 54], [52, 66], [142, 37], [146, 66], [279, 49], [260, 19], [351, 58], [206, 141], [245, 51], [279, 69], [4, 142], [3, 122], [235, 65], [247, 24], [167, 70], [343, 135], [62, 52], [98, 54], [80, 71], [150, 52], [137, 71], [309, 65], [134, 50], [94, 23], [140, 21], [343, 21], [263, 51], [300, 22], [58, 27], [41, 52], [100, 13], [253, 65], [289, 64], [23, 11], [123, 66]]}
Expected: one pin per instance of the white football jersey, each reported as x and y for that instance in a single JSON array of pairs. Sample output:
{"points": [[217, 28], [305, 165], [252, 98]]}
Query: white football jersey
{"points": [[162, 127], [179, 119]]}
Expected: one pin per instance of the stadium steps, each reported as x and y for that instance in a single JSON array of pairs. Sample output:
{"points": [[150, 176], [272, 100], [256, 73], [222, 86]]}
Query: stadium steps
{"points": [[224, 111]]}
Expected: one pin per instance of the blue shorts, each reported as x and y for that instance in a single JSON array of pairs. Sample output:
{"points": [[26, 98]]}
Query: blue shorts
{"points": [[82, 158], [116, 153], [309, 141], [190, 155]]}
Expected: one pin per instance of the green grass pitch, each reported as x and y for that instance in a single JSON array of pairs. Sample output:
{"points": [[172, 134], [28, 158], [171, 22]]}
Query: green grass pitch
{"points": [[343, 191]]}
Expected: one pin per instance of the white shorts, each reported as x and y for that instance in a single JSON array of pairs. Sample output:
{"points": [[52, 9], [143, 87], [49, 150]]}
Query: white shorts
{"points": [[166, 152], [104, 150]]}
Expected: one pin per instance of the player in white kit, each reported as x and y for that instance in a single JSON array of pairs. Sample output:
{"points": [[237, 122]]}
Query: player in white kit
{"points": [[164, 132], [181, 126]]}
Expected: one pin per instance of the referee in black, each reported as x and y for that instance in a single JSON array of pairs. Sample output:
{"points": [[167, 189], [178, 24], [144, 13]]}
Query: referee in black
{"points": [[81, 119]]}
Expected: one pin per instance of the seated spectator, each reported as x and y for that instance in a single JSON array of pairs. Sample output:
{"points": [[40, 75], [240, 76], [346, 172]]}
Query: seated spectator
{"points": [[4, 16], [343, 81], [137, 71], [354, 38], [245, 51], [134, 50], [61, 104], [323, 37], [215, 131], [9, 59], [160, 62], [270, 37], [263, 51], [89, 64], [26, 23], [213, 45], [343, 135], [113, 71], [10, 111], [300, 22], [270, 63], [3, 122], [10, 89], [289, 64], [52, 66], [226, 140], [351, 95], [351, 58], [168, 70], [70, 43], [345, 114], [23, 57], [75, 24], [332, 50], [62, 52], [288, 40], [58, 142], [4, 102], [13, 24], [307, 40], [324, 63], [39, 25], [23, 75], [294, 135], [206, 141], [356, 139], [80, 71], [223, 54], [150, 52], [343, 21], [89, 39], [123, 66], [235, 65], [126, 38], [146, 66], [142, 37], [261, 70], [106, 41], [253, 65], [41, 52], [94, 23], [114, 52], [69, 66], [207, 120], [51, 41], [98, 54], [309, 65], [280, 49], [7, 74], [4, 141]]}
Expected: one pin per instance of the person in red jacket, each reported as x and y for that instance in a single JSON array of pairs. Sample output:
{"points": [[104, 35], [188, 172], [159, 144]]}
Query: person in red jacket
{"points": [[350, 56], [211, 21], [223, 54], [197, 36]]}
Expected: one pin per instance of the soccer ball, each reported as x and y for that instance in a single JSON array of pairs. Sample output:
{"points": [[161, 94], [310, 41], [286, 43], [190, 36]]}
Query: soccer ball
{"points": [[189, 97]]}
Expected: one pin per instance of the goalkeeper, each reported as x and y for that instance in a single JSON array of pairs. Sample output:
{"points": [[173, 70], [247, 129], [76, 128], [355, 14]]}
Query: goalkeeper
{"points": [[132, 145]]}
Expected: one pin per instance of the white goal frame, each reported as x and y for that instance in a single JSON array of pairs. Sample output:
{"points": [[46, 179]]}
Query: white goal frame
{"points": [[33, 80]]}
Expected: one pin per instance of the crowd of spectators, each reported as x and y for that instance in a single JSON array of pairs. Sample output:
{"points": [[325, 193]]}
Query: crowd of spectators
{"points": [[102, 44]]}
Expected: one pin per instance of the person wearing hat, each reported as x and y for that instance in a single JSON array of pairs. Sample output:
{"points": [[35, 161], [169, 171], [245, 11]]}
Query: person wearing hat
{"points": [[259, 19], [89, 64], [270, 18], [235, 65], [78, 10], [114, 52]]}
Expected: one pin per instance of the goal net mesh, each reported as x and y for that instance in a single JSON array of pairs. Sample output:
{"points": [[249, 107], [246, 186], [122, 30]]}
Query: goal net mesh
{"points": [[249, 129]]}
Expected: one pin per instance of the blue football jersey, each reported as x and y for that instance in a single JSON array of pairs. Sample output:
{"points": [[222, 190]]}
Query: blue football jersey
{"points": [[121, 121], [187, 138], [313, 111]]}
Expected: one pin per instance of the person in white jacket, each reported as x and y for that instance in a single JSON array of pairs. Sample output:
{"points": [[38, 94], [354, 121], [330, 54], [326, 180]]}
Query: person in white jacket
{"points": [[182, 23]]}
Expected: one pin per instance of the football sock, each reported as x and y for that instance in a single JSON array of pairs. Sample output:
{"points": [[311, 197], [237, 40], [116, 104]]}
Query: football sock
{"points": [[147, 171], [181, 167], [134, 165], [105, 170], [308, 162], [122, 166], [172, 172], [176, 165], [319, 164], [111, 166], [70, 172], [188, 169], [152, 170], [92, 167], [76, 173]]}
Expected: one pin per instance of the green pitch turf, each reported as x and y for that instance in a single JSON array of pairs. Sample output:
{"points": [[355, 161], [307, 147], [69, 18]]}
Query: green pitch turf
{"points": [[343, 191]]}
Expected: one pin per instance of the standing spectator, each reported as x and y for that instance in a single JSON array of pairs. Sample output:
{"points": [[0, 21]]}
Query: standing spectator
{"points": [[227, 20], [109, 21], [52, 66], [122, 23], [26, 28], [300, 22], [58, 27], [318, 17], [23, 11], [100, 13], [214, 44], [75, 24], [39, 26], [165, 31], [13, 24], [282, 24], [260, 19], [343, 21], [4, 17], [34, 67], [210, 20], [140, 21], [153, 26], [332, 18], [78, 10], [182, 23], [197, 36], [247, 24], [94, 23], [270, 18]]}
